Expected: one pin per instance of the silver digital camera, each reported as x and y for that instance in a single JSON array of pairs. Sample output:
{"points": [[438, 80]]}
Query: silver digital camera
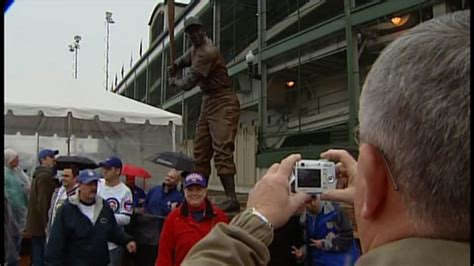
{"points": [[314, 176]]}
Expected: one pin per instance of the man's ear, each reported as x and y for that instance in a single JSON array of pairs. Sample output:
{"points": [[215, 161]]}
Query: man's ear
{"points": [[376, 180]]}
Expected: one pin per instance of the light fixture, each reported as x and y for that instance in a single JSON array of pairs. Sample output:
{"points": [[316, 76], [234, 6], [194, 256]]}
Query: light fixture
{"points": [[108, 17], [249, 58], [252, 69], [77, 38], [290, 83], [398, 21], [73, 47]]}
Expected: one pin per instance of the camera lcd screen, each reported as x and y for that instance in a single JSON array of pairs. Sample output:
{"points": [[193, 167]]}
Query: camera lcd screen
{"points": [[309, 177]]}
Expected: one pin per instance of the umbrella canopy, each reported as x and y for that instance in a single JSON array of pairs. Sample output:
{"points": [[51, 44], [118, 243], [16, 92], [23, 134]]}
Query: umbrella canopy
{"points": [[77, 161], [176, 160], [133, 170]]}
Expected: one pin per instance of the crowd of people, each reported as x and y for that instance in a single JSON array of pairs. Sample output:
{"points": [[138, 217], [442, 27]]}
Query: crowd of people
{"points": [[78, 217], [409, 185]]}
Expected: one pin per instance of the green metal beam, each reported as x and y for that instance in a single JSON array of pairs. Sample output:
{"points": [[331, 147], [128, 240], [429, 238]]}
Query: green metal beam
{"points": [[267, 158], [359, 16], [178, 98], [352, 76]]}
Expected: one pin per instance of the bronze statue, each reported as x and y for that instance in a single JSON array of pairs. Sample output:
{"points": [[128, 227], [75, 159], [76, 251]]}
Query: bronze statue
{"points": [[220, 110]]}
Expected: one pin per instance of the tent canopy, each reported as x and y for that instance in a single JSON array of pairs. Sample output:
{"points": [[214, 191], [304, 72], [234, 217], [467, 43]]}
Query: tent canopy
{"points": [[84, 104], [87, 122]]}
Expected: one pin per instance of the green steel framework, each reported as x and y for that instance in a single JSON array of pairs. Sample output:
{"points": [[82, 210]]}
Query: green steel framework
{"points": [[351, 18]]}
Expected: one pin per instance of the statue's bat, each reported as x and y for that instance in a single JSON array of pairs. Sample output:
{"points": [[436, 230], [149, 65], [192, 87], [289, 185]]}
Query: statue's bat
{"points": [[171, 33]]}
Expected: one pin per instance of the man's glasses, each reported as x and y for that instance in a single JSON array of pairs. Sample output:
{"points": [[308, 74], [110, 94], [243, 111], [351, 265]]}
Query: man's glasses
{"points": [[357, 141]]}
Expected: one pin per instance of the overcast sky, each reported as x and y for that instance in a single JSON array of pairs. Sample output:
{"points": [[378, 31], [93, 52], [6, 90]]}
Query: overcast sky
{"points": [[37, 34]]}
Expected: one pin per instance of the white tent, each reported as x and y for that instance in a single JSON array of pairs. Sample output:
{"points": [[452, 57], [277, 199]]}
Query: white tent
{"points": [[86, 105], [85, 122]]}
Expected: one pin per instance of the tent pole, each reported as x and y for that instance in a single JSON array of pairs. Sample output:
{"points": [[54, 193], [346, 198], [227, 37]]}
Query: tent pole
{"points": [[69, 133], [173, 136], [37, 142]]}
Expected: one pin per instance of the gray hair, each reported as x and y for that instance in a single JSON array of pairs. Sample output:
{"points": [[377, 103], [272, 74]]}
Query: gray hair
{"points": [[414, 107], [9, 155]]}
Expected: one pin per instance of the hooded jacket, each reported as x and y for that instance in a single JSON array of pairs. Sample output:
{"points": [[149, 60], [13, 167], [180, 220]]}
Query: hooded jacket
{"points": [[42, 188], [75, 241], [56, 202]]}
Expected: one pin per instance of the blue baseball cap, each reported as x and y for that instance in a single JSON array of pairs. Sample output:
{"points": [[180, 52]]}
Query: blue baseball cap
{"points": [[86, 176], [111, 162], [195, 179], [47, 152]]}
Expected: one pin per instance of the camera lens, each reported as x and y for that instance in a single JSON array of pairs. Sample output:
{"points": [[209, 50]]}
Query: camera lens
{"points": [[302, 164]]}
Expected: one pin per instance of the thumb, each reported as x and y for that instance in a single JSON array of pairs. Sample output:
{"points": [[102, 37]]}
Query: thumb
{"points": [[342, 195], [298, 199]]}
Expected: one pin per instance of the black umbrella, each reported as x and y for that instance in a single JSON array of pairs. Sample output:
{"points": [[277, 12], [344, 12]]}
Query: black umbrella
{"points": [[75, 161], [176, 160]]}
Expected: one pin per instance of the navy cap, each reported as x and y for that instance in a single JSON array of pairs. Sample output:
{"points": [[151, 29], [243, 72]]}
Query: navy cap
{"points": [[195, 179], [111, 162], [87, 176], [47, 152]]}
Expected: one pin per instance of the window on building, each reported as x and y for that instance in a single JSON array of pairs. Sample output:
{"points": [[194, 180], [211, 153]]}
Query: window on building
{"points": [[157, 26], [238, 26]]}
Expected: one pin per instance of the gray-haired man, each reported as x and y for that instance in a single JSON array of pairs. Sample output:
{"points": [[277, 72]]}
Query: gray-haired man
{"points": [[410, 186]]}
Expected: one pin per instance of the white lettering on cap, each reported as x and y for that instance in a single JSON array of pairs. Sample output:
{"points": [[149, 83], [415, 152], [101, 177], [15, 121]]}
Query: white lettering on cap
{"points": [[194, 177]]}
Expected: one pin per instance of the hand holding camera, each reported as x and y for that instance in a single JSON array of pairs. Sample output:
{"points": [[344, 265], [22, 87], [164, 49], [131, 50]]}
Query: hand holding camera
{"points": [[346, 168], [314, 176]]}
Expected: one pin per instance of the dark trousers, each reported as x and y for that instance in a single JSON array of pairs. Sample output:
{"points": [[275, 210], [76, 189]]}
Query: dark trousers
{"points": [[116, 256], [215, 133], [145, 256], [37, 250]]}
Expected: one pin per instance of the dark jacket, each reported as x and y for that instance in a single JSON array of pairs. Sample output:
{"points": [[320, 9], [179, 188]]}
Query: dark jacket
{"points": [[291, 234], [75, 241], [42, 188]]}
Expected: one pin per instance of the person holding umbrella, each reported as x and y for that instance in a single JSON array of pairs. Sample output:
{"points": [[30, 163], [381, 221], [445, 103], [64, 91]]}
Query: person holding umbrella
{"points": [[60, 195], [138, 193], [82, 227], [70, 166], [159, 202], [130, 172]]}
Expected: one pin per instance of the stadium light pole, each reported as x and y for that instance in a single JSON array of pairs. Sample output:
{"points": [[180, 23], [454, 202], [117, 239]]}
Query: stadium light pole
{"points": [[73, 47], [108, 21]]}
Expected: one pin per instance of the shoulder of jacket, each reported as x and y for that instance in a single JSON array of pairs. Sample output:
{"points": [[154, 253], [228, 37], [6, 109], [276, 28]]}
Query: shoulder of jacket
{"points": [[67, 206], [43, 174], [218, 212]]}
